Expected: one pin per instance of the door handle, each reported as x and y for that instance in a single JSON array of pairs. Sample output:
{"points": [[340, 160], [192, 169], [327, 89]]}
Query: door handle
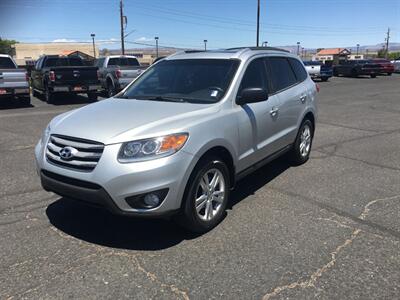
{"points": [[303, 98], [274, 111]]}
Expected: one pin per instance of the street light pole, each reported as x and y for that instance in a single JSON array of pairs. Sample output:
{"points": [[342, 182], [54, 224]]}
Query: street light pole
{"points": [[298, 48], [156, 38], [258, 21], [205, 45], [358, 47], [94, 49]]}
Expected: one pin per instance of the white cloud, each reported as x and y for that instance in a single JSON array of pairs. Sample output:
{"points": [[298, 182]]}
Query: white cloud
{"points": [[64, 41], [107, 41], [144, 40]]}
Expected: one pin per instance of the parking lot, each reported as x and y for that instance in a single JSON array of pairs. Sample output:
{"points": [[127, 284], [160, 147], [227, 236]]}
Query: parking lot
{"points": [[329, 229]]}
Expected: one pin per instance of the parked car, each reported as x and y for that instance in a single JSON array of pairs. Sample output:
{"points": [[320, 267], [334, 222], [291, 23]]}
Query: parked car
{"points": [[386, 66], [355, 68], [396, 63], [317, 69], [117, 71], [180, 136], [62, 74], [13, 81]]}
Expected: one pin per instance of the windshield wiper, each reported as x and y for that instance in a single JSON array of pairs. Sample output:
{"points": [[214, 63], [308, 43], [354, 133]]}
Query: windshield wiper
{"points": [[161, 98]]}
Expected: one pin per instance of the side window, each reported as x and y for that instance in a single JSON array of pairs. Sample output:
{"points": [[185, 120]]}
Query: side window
{"points": [[282, 75], [299, 71], [255, 76], [39, 64], [100, 62]]}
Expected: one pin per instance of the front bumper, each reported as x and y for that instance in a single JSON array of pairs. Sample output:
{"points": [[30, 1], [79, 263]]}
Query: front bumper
{"points": [[111, 182]]}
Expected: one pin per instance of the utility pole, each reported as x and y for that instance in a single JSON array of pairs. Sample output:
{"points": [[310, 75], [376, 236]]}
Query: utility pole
{"points": [[298, 48], [387, 43], [358, 48], [94, 49], [156, 38], [205, 45], [258, 22], [121, 14]]}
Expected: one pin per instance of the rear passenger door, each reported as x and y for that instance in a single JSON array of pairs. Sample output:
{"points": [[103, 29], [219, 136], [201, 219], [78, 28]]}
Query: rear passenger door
{"points": [[292, 95], [258, 122]]}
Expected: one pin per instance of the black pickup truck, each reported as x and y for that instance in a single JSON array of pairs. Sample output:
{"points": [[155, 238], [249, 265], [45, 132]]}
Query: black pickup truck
{"points": [[62, 74], [355, 68]]}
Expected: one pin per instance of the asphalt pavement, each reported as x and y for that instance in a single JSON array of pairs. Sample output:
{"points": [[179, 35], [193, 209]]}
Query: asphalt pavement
{"points": [[329, 229]]}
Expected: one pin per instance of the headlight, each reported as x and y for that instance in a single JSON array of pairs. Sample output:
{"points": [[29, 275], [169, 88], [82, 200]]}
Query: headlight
{"points": [[45, 134], [152, 148]]}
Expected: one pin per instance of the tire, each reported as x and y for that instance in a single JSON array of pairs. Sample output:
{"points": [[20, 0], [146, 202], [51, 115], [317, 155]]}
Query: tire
{"points": [[324, 79], [48, 96], [25, 101], [35, 94], [299, 155], [373, 75], [354, 73], [110, 90], [335, 72], [196, 219], [92, 97], [389, 74]]}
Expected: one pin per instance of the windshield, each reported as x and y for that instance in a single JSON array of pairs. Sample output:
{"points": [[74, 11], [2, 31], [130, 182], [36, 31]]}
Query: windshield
{"points": [[191, 80]]}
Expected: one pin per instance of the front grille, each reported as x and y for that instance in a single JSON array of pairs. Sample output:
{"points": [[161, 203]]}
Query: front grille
{"points": [[84, 159]]}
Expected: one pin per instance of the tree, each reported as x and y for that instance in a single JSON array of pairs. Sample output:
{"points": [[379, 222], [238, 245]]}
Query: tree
{"points": [[6, 46], [381, 53]]}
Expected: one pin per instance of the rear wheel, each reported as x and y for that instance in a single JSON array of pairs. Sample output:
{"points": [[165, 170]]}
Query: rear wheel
{"points": [[373, 75], [92, 96], [354, 73], [324, 79], [25, 101], [110, 90], [206, 196], [49, 96], [335, 72], [302, 146], [389, 74]]}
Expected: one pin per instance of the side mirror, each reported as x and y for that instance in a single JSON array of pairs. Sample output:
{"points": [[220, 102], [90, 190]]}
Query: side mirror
{"points": [[252, 95]]}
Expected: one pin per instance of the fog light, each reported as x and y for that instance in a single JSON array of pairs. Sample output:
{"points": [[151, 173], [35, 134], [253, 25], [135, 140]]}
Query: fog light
{"points": [[151, 200]]}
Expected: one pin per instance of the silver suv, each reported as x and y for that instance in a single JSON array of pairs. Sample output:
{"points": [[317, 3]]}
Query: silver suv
{"points": [[175, 141]]}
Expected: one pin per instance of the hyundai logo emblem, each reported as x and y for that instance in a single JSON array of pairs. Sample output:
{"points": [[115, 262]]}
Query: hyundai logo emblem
{"points": [[67, 153]]}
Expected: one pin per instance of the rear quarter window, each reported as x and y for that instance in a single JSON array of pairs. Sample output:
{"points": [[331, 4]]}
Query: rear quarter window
{"points": [[281, 73], [299, 70]]}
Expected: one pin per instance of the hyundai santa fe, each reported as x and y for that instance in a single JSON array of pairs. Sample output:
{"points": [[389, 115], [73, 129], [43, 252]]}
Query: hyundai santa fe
{"points": [[175, 141]]}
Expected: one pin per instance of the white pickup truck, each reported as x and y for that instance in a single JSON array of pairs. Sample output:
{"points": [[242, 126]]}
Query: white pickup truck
{"points": [[13, 81], [117, 71]]}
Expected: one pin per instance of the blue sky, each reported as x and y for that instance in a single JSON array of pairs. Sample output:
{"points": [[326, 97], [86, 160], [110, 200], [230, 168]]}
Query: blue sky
{"points": [[186, 23]]}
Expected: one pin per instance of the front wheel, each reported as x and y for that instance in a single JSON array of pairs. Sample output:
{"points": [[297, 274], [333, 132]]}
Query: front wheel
{"points": [[302, 146], [373, 75], [206, 196], [324, 79], [389, 74], [110, 90]]}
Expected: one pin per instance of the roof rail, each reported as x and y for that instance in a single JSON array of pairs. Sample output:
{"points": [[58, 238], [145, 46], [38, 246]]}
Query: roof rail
{"points": [[259, 48]]}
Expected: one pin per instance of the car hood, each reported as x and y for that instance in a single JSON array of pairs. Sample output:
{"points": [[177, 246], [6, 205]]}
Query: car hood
{"points": [[119, 120]]}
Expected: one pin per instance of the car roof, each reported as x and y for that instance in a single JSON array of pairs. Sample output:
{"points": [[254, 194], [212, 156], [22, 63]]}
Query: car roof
{"points": [[231, 53], [5, 55]]}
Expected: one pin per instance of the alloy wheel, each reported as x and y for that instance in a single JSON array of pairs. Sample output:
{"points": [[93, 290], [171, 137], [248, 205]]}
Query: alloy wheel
{"points": [[210, 194]]}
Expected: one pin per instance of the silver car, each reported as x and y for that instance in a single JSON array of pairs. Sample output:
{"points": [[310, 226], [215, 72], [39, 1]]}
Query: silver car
{"points": [[175, 141]]}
